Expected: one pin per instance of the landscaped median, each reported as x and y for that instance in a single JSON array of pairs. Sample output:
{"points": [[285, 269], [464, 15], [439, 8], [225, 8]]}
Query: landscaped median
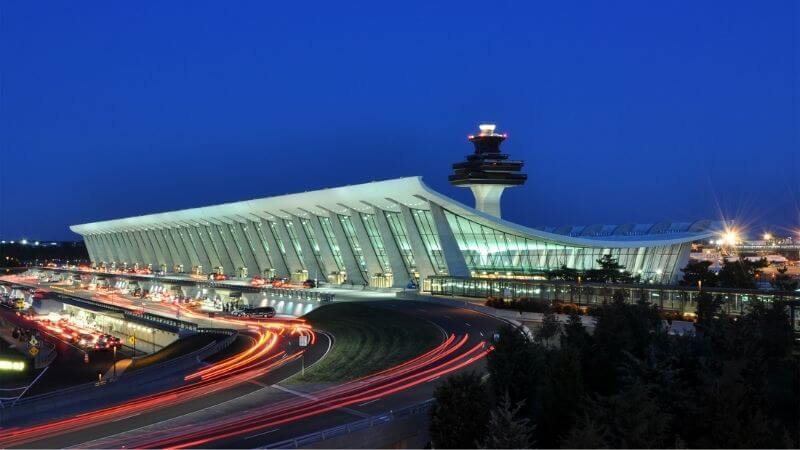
{"points": [[367, 339]]}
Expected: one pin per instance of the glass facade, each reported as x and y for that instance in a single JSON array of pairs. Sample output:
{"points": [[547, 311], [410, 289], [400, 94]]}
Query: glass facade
{"points": [[427, 229], [667, 297], [307, 229], [325, 223], [375, 239], [490, 250], [295, 242], [213, 244], [401, 239], [350, 233], [281, 246], [239, 250], [263, 240], [250, 244]]}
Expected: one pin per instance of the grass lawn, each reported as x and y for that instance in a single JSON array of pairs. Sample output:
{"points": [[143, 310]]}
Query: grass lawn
{"points": [[367, 339]]}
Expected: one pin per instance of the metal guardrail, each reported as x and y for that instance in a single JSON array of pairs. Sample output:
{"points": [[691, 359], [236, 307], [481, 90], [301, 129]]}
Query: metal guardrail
{"points": [[295, 293], [369, 422], [154, 320]]}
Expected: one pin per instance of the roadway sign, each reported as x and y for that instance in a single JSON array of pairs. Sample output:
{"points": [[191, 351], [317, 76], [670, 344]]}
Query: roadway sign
{"points": [[33, 351], [303, 340], [34, 342], [132, 339]]}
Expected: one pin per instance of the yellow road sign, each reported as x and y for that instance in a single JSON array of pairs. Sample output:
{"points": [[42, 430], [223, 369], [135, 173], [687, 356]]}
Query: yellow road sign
{"points": [[33, 351], [132, 339]]}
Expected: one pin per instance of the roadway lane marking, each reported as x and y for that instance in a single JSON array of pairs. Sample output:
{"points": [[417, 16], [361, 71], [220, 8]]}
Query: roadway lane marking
{"points": [[196, 412], [293, 392], [126, 417], [467, 324], [367, 403], [311, 397], [261, 434]]}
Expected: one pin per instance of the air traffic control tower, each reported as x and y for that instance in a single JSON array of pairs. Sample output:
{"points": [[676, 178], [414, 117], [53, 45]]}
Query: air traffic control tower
{"points": [[488, 172]]}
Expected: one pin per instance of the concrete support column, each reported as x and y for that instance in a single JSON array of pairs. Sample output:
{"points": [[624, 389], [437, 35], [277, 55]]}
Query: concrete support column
{"points": [[309, 259], [97, 252], [233, 247], [228, 265], [292, 259], [130, 252], [370, 256], [174, 251], [90, 248], [147, 247], [325, 252], [135, 250], [253, 268], [119, 248], [193, 237], [213, 258], [453, 257], [181, 235], [424, 264], [400, 273], [166, 254], [259, 251], [109, 252], [180, 246], [155, 251], [278, 260], [354, 274], [487, 197]]}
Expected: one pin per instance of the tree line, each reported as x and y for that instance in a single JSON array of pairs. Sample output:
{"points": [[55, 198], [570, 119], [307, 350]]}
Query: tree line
{"points": [[734, 382]]}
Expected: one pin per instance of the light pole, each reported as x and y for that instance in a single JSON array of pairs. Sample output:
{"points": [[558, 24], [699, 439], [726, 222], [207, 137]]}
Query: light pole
{"points": [[115, 362]]}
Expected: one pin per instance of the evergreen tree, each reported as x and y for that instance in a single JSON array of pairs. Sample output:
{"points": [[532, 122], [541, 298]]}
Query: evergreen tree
{"points": [[610, 271], [707, 311], [587, 433], [698, 271], [461, 412], [560, 397], [514, 367], [574, 334], [632, 419], [550, 328], [563, 273], [784, 282], [740, 274], [507, 429]]}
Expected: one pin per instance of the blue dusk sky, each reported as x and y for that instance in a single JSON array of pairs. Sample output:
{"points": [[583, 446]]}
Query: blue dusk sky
{"points": [[622, 111]]}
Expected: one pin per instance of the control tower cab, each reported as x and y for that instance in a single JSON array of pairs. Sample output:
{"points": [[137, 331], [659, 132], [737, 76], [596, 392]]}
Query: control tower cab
{"points": [[487, 171]]}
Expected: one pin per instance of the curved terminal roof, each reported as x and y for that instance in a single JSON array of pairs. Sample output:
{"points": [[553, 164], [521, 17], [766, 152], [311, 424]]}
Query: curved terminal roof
{"points": [[413, 193]]}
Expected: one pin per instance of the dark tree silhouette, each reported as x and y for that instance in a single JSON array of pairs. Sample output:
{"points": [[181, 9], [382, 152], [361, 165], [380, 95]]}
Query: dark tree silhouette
{"points": [[461, 412]]}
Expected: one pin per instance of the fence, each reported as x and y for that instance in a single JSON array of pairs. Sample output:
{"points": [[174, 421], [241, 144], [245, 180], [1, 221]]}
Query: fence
{"points": [[363, 424]]}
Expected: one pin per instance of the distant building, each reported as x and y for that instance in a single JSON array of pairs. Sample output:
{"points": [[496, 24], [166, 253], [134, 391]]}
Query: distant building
{"points": [[387, 234]]}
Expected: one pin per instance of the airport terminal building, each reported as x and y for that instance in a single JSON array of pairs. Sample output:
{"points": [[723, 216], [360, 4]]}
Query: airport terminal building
{"points": [[387, 234]]}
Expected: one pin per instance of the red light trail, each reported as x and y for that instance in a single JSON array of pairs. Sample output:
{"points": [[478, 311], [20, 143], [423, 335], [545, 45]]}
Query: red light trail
{"points": [[451, 355], [247, 365]]}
